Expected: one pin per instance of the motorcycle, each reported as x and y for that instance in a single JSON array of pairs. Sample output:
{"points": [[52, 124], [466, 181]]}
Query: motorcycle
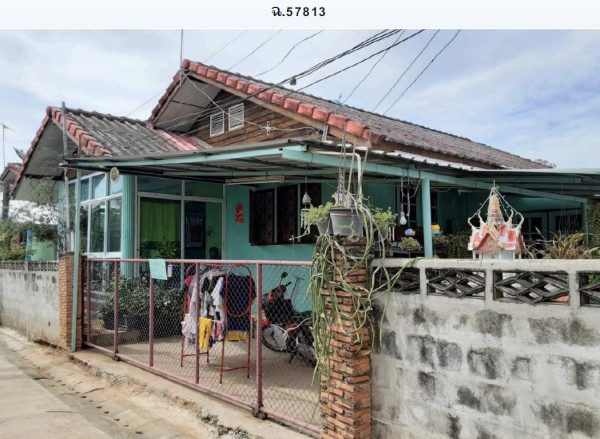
{"points": [[284, 329]]}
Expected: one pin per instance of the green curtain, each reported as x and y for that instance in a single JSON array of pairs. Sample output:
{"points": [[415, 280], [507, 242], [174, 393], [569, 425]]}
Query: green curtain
{"points": [[160, 221]]}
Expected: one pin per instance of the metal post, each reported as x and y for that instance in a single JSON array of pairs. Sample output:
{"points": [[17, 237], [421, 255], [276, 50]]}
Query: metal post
{"points": [[116, 312], [76, 257], [68, 241], [426, 213], [584, 222], [259, 393], [151, 322], [197, 323], [128, 222], [88, 283]]}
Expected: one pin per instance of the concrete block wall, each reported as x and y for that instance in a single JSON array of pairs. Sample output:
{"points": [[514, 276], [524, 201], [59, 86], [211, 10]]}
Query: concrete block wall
{"points": [[29, 303], [481, 368]]}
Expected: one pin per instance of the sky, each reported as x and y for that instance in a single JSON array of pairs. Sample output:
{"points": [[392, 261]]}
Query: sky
{"points": [[532, 93]]}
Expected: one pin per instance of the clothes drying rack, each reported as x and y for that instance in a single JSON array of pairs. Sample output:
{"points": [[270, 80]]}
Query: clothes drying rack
{"points": [[230, 312]]}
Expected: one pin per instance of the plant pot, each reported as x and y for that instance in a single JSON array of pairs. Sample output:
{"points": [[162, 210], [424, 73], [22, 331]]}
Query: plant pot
{"points": [[325, 227], [346, 222]]}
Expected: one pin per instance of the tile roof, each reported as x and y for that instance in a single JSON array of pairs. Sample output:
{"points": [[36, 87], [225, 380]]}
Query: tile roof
{"points": [[360, 123], [97, 134]]}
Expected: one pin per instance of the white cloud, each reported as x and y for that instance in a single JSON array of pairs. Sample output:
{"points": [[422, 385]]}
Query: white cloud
{"points": [[534, 93]]}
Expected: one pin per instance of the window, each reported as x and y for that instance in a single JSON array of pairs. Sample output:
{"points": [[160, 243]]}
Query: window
{"points": [[274, 213], [99, 186], [159, 185], [114, 225], [287, 213], [262, 217], [100, 213], [236, 117], [567, 223], [217, 124], [97, 227]]}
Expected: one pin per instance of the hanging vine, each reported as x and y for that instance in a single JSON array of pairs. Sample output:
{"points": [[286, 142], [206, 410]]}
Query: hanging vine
{"points": [[333, 260]]}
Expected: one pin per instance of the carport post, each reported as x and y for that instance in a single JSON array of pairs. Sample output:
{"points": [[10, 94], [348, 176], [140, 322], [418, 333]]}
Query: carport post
{"points": [[76, 256], [426, 211], [151, 323], [259, 390]]}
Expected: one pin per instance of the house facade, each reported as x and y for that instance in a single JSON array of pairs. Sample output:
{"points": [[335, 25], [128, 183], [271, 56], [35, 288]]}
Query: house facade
{"points": [[220, 168]]}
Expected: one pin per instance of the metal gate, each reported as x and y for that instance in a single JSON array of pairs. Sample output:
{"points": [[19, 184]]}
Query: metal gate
{"points": [[221, 343]]}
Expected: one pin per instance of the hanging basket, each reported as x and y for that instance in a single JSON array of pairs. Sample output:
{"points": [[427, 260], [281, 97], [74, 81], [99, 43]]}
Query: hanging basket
{"points": [[346, 222], [325, 227]]}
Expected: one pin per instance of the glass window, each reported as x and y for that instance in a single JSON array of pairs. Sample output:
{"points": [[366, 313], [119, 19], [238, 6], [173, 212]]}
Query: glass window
{"points": [[114, 225], [200, 189], [159, 185], [83, 227], [116, 187], [85, 189], [97, 227], [99, 186], [160, 228]]}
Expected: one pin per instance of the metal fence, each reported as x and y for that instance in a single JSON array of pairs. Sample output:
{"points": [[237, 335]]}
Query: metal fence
{"points": [[204, 328]]}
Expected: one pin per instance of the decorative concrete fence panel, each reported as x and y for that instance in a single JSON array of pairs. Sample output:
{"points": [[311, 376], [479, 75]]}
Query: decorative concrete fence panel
{"points": [[493, 349], [29, 299]]}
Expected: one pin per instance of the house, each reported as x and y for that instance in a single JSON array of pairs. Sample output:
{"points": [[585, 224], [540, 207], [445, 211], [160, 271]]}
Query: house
{"points": [[7, 180], [220, 168]]}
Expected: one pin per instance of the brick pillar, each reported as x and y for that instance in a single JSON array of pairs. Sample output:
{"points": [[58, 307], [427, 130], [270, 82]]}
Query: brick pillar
{"points": [[346, 392], [65, 306]]}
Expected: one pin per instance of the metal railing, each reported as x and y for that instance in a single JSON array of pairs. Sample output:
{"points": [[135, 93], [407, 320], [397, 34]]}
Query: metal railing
{"points": [[574, 283], [204, 328]]}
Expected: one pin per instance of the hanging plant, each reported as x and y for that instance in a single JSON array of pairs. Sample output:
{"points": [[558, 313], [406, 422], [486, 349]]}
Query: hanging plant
{"points": [[409, 244], [333, 258], [317, 216]]}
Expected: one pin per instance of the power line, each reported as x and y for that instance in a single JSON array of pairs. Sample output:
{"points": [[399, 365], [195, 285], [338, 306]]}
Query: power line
{"points": [[405, 71], [253, 51], [226, 45], [289, 52], [423, 71], [361, 61], [379, 36], [370, 70], [144, 104]]}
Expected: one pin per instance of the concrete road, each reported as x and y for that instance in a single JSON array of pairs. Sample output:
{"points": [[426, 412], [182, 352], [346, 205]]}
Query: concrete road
{"points": [[44, 395], [28, 410]]}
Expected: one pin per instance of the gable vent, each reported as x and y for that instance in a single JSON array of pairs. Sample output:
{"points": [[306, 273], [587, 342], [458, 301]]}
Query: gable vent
{"points": [[236, 117], [217, 123]]}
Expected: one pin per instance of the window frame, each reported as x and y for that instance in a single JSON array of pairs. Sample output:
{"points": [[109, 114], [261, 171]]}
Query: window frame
{"points": [[242, 120], [88, 205], [210, 124]]}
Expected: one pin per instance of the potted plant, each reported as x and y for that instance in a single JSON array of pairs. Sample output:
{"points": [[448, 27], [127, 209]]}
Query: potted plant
{"points": [[134, 293], [319, 216], [384, 219], [410, 245]]}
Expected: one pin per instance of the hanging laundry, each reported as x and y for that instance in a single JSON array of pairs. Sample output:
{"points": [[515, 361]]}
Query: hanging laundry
{"points": [[205, 333]]}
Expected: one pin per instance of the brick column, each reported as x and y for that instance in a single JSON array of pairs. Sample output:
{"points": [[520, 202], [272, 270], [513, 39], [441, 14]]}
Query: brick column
{"points": [[346, 391], [65, 306]]}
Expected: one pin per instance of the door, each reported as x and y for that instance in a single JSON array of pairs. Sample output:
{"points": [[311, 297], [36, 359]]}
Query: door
{"points": [[203, 230]]}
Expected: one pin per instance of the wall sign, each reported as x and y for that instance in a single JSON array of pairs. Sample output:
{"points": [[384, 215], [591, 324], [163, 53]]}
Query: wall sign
{"points": [[239, 213]]}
